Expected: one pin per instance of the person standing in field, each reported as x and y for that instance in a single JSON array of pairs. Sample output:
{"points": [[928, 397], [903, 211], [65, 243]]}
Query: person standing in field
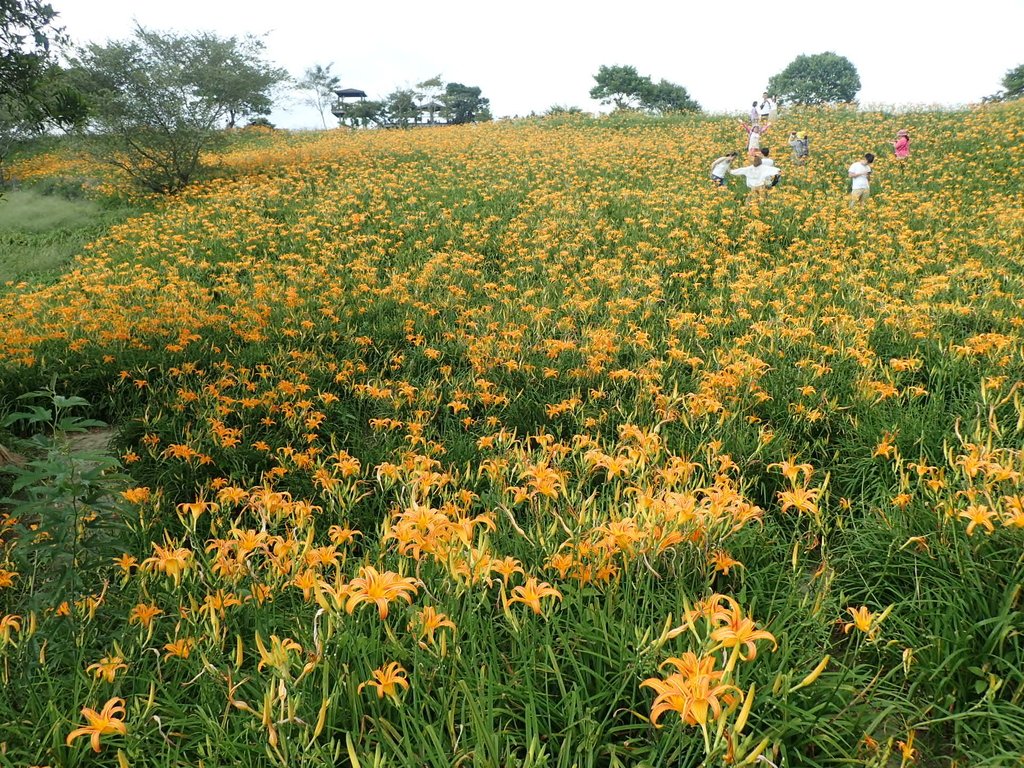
{"points": [[757, 175], [801, 146], [754, 114], [720, 168], [901, 145], [767, 109], [860, 174], [754, 134]]}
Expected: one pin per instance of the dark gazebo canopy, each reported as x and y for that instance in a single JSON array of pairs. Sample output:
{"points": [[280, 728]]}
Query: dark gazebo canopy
{"points": [[431, 108], [338, 107]]}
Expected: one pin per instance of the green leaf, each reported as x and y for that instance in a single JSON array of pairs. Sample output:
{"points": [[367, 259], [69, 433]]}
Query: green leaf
{"points": [[69, 402], [34, 415]]}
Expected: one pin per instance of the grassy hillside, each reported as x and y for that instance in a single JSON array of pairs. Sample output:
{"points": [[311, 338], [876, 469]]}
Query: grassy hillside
{"points": [[523, 445], [41, 233]]}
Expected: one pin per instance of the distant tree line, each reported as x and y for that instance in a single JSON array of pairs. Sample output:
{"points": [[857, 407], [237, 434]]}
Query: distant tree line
{"points": [[152, 104], [823, 78], [430, 101]]}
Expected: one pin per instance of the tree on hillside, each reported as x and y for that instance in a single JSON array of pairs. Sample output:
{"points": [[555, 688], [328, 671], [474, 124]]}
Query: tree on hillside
{"points": [[620, 85], [464, 104], [626, 88], [156, 101], [35, 93], [320, 85], [1013, 83], [430, 89], [401, 108], [239, 77], [668, 97], [367, 113], [429, 92], [822, 78]]}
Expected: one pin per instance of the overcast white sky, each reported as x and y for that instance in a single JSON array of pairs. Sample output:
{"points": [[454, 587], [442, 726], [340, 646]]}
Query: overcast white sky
{"points": [[531, 54]]}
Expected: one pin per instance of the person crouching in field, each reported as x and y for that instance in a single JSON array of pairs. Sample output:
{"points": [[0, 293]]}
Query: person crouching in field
{"points": [[860, 174], [801, 146], [720, 168], [767, 160], [757, 175]]}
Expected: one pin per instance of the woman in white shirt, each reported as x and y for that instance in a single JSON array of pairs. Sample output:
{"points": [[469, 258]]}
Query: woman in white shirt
{"points": [[758, 176], [721, 167]]}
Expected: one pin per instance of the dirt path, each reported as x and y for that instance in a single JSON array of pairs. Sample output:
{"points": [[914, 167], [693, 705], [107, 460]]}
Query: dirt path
{"points": [[79, 442], [93, 440]]}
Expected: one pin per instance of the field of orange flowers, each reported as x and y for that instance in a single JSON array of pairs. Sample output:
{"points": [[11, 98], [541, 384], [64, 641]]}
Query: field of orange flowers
{"points": [[522, 445]]}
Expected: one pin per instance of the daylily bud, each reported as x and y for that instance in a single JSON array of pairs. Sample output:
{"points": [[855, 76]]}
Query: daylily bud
{"points": [[741, 720], [815, 673]]}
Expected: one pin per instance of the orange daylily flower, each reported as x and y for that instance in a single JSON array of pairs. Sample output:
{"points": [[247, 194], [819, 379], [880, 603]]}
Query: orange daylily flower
{"points": [[107, 722], [430, 620], [278, 656], [531, 593], [739, 632], [387, 680], [107, 668], [694, 691], [373, 586], [863, 620]]}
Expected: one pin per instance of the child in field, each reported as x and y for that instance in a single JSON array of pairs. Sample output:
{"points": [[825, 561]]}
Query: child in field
{"points": [[801, 147], [860, 174], [754, 114], [754, 134], [757, 175], [720, 168], [901, 146]]}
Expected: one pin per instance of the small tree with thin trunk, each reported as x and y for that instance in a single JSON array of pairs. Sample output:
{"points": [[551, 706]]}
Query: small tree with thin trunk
{"points": [[237, 74], [319, 85]]}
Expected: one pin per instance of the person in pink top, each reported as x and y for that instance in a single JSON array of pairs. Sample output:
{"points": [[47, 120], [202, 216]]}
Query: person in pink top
{"points": [[901, 146]]}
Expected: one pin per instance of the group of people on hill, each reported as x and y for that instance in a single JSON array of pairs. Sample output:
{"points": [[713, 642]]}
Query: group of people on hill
{"points": [[762, 173]]}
